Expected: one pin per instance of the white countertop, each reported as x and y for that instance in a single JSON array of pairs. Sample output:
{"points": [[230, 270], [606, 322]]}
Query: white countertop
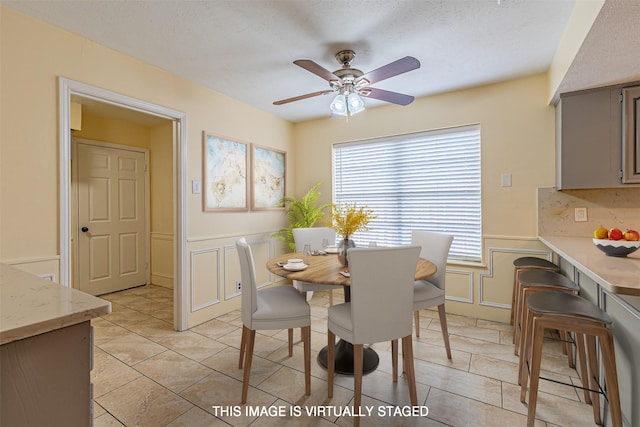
{"points": [[617, 275], [30, 305]]}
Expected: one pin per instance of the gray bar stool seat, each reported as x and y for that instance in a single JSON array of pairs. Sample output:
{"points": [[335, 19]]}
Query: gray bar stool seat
{"points": [[571, 313], [529, 282], [528, 263]]}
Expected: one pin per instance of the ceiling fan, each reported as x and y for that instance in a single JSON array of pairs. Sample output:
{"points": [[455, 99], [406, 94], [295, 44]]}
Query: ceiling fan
{"points": [[351, 84]]}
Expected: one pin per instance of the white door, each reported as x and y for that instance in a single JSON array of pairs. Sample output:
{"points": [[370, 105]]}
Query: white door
{"points": [[112, 239]]}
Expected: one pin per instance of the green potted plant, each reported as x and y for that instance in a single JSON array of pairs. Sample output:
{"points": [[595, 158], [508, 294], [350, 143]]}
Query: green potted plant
{"points": [[302, 213]]}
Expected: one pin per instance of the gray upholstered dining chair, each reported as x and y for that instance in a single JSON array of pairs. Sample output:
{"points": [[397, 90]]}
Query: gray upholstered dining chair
{"points": [[279, 307], [379, 310], [430, 292], [313, 236]]}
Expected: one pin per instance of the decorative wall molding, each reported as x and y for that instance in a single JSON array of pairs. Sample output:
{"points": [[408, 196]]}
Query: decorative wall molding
{"points": [[518, 238], [228, 250], [226, 257], [468, 300], [161, 259], [230, 236], [272, 254], [489, 274], [268, 242], [30, 260], [192, 285]]}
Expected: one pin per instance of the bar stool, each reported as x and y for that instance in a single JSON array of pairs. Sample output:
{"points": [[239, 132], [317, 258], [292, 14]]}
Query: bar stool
{"points": [[560, 310], [528, 263], [529, 282], [534, 281]]}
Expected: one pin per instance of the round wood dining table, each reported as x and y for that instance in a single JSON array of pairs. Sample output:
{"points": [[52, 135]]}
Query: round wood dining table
{"points": [[327, 270]]}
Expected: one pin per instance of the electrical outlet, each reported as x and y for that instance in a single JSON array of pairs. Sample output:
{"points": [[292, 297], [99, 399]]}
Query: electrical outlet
{"points": [[580, 214], [238, 286]]}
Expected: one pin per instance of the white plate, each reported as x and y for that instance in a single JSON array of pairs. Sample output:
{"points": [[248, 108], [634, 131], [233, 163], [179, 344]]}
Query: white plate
{"points": [[296, 267], [331, 250]]}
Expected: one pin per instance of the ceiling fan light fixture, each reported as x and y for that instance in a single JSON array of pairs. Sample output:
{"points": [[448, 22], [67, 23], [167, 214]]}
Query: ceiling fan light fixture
{"points": [[350, 84], [339, 105], [355, 103]]}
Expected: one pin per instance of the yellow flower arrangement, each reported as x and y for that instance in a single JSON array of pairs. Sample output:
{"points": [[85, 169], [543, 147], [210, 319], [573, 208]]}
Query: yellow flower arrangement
{"points": [[349, 219]]}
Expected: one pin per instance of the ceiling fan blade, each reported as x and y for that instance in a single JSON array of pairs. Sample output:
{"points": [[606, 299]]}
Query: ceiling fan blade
{"points": [[394, 68], [316, 69], [388, 96], [298, 98]]}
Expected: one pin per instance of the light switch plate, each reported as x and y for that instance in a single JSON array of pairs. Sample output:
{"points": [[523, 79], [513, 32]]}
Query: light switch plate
{"points": [[196, 187], [580, 214], [506, 180]]}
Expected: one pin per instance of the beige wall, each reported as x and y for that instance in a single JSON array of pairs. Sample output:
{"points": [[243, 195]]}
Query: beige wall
{"points": [[517, 130], [114, 131], [162, 205], [517, 137], [34, 55]]}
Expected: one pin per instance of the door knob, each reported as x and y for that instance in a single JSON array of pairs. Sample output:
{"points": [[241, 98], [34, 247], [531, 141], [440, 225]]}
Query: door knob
{"points": [[84, 229]]}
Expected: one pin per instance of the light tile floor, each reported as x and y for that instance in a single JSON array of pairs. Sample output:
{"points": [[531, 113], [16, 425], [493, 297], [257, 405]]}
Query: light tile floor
{"points": [[147, 374]]}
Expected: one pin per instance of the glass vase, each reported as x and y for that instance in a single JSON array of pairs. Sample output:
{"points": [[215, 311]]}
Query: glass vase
{"points": [[343, 246]]}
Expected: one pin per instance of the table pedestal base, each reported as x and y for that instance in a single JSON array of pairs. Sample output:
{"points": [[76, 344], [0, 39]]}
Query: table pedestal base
{"points": [[344, 358]]}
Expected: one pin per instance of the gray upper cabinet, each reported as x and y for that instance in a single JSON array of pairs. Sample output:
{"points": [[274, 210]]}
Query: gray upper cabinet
{"points": [[631, 135], [589, 139], [597, 138]]}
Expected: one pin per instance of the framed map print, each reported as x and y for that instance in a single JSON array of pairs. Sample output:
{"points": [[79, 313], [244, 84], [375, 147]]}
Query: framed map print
{"points": [[226, 182], [267, 178]]}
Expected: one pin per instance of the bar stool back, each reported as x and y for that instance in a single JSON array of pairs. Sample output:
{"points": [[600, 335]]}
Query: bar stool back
{"points": [[526, 263], [559, 310]]}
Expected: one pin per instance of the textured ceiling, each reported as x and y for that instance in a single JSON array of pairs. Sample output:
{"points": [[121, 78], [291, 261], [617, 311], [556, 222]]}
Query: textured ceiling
{"points": [[245, 48], [610, 54]]}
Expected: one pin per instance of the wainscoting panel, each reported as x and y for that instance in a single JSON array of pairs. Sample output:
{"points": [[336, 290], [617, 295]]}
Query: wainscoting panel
{"points": [[162, 259], [261, 250], [484, 290], [214, 270], [278, 247], [47, 267], [476, 290], [459, 285], [205, 278], [232, 274], [496, 285]]}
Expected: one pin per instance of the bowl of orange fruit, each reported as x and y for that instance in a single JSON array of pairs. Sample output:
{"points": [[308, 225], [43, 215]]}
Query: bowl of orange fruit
{"points": [[615, 242]]}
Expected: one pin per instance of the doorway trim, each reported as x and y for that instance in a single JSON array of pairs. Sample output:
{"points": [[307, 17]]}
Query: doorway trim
{"points": [[68, 88]]}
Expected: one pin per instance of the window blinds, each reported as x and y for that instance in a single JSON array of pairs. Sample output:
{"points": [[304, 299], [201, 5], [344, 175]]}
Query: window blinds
{"points": [[425, 181]]}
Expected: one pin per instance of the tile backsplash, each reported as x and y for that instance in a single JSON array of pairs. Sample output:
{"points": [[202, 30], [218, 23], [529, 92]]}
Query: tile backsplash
{"points": [[611, 207]]}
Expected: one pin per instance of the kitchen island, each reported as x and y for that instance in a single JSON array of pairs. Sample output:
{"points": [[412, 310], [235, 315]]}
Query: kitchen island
{"points": [[613, 284], [46, 351]]}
